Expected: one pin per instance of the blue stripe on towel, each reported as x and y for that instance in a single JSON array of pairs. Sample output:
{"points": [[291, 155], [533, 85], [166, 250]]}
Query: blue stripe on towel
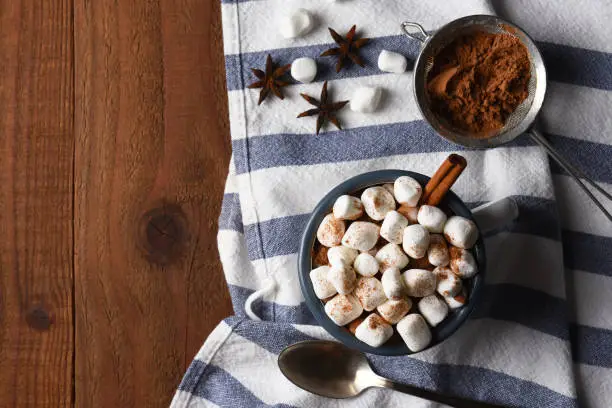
{"points": [[591, 345], [587, 252], [582, 251], [595, 159], [505, 302], [237, 1], [289, 149], [270, 311], [219, 387], [475, 383], [508, 302], [470, 382], [231, 214], [577, 66], [281, 236], [325, 65], [529, 307]]}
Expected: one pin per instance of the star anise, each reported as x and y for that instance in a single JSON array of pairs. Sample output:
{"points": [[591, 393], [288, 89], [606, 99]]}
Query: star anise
{"points": [[347, 48], [269, 80], [324, 109]]}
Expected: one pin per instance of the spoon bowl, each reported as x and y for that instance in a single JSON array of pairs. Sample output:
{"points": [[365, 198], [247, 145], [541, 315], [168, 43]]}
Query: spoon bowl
{"points": [[325, 368]]}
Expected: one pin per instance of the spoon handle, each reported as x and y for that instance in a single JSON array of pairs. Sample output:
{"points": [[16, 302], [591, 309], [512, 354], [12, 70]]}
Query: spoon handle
{"points": [[453, 401]]}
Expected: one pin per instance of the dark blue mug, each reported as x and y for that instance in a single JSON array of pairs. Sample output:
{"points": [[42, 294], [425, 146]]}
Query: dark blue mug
{"points": [[395, 346]]}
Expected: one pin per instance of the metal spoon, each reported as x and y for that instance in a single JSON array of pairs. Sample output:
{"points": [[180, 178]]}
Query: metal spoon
{"points": [[331, 369]]}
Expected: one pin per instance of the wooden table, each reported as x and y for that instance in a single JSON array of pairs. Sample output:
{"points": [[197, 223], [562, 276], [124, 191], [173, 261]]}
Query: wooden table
{"points": [[114, 148]]}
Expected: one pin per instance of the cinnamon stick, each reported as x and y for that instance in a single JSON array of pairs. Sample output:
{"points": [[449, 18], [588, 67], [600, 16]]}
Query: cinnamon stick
{"points": [[443, 179]]}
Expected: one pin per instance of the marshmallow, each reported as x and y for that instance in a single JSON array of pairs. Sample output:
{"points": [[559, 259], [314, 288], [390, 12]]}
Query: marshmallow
{"points": [[341, 255], [322, 287], [462, 263], [419, 282], [304, 70], [393, 310], [392, 228], [437, 253], [330, 231], [392, 283], [377, 202], [343, 278], [296, 23], [348, 207], [343, 309], [433, 309], [370, 293], [392, 255], [431, 218], [416, 241], [389, 61], [366, 265], [410, 213], [456, 301], [461, 232], [374, 331], [448, 284], [365, 99], [361, 235], [407, 191], [388, 187], [414, 331]]}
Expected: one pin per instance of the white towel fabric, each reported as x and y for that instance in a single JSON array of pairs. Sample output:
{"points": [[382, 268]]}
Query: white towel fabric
{"points": [[543, 333]]}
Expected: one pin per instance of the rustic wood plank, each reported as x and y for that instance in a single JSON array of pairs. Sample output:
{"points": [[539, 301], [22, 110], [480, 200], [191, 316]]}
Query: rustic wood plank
{"points": [[36, 192], [151, 156], [196, 103]]}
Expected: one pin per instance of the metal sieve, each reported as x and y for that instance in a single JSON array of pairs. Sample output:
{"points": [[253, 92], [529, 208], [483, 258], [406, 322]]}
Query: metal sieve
{"points": [[520, 121]]}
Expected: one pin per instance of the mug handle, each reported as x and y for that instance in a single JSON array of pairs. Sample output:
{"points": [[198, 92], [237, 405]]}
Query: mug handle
{"points": [[420, 36], [496, 214]]}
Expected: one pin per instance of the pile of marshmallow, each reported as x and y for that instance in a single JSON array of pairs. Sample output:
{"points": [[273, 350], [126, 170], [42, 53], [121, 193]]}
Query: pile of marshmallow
{"points": [[299, 22], [392, 257]]}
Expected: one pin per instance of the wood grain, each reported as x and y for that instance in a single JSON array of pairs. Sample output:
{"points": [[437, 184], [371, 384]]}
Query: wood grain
{"points": [[152, 150], [114, 148], [36, 193]]}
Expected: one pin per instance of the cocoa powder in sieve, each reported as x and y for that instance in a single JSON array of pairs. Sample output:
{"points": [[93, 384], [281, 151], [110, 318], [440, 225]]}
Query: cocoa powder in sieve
{"points": [[478, 80]]}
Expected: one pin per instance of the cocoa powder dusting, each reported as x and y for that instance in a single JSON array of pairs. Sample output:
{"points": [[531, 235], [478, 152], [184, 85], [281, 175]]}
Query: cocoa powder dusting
{"points": [[319, 255], [478, 80], [375, 322], [454, 252], [336, 227], [422, 263]]}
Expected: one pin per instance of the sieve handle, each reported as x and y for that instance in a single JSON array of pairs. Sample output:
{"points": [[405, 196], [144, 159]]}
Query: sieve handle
{"points": [[420, 36], [576, 173]]}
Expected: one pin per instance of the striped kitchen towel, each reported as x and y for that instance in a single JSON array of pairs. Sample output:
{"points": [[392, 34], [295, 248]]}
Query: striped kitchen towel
{"points": [[542, 336]]}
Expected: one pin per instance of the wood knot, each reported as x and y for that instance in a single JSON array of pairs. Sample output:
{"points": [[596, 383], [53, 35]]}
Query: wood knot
{"points": [[163, 234], [38, 319]]}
